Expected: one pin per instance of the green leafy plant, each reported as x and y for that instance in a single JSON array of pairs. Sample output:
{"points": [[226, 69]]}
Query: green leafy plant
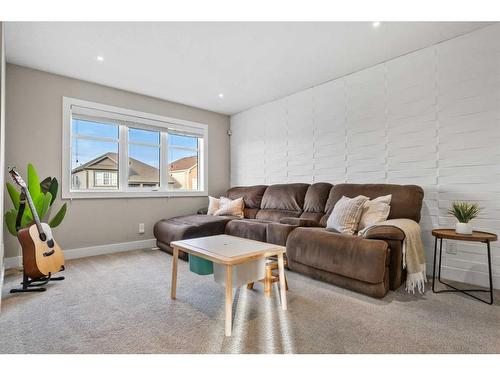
{"points": [[464, 211], [43, 195]]}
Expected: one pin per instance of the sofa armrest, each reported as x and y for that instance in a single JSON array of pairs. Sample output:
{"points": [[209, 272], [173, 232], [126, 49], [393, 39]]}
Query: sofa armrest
{"points": [[299, 222], [385, 232], [202, 211], [394, 237]]}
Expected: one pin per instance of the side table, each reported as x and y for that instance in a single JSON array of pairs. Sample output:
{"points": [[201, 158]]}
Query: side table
{"points": [[476, 236]]}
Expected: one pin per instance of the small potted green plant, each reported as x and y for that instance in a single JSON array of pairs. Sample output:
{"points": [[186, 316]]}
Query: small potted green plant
{"points": [[464, 212]]}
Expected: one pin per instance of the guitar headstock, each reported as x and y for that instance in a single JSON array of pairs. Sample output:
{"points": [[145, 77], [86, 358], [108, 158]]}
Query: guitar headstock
{"points": [[17, 177]]}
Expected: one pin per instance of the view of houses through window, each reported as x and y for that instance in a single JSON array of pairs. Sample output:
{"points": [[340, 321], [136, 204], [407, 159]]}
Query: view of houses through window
{"points": [[183, 162], [94, 153], [95, 157]]}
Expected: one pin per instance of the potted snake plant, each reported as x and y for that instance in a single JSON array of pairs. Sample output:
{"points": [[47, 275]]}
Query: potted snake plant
{"points": [[464, 212]]}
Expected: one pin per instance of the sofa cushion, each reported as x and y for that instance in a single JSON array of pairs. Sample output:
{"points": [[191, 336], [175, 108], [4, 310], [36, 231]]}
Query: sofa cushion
{"points": [[275, 215], [286, 197], [192, 226], [284, 200], [406, 200], [277, 233], [316, 197], [252, 195], [346, 255], [299, 222], [316, 216], [248, 228]]}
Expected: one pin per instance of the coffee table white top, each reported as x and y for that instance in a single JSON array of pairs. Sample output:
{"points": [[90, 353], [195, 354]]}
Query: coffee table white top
{"points": [[227, 249]]}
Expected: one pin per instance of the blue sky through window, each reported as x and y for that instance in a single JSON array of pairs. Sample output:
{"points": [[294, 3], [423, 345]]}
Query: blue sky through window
{"points": [[95, 129], [143, 136], [84, 150]]}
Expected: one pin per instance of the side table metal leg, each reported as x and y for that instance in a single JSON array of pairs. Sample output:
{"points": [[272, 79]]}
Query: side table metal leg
{"points": [[489, 272], [434, 265], [440, 256]]}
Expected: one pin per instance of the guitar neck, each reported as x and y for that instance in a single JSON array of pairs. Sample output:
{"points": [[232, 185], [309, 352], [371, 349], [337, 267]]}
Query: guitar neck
{"points": [[33, 211]]}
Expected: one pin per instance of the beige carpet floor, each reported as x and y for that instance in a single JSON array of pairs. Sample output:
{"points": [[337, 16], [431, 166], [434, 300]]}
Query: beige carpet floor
{"points": [[120, 304]]}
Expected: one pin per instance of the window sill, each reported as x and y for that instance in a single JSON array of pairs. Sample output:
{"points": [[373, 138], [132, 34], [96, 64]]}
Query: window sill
{"points": [[128, 194]]}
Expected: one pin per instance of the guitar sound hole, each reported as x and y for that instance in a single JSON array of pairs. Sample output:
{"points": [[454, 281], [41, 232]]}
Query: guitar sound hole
{"points": [[43, 236]]}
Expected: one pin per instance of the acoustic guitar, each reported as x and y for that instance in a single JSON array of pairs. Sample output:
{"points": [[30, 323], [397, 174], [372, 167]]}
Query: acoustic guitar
{"points": [[42, 256]]}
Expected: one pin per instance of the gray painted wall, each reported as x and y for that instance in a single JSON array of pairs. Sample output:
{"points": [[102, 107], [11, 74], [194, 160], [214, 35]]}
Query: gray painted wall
{"points": [[34, 133]]}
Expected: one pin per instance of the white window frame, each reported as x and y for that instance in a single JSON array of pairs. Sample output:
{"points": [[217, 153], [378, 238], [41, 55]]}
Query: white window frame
{"points": [[134, 119]]}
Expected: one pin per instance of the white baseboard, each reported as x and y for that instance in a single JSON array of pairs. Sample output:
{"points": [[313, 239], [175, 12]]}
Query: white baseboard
{"points": [[82, 252], [465, 276]]}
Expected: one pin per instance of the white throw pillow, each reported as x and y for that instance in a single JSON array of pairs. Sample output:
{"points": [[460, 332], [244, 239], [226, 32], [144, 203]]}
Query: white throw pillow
{"points": [[213, 205], [230, 207], [375, 211], [346, 214]]}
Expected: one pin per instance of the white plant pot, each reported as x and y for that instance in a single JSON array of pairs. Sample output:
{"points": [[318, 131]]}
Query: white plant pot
{"points": [[463, 228]]}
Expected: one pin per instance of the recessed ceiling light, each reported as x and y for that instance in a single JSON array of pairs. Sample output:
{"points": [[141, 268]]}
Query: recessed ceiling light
{"points": [[100, 58], [376, 24], [221, 95]]}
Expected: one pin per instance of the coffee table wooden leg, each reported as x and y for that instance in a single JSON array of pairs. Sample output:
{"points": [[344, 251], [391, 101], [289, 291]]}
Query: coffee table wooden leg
{"points": [[175, 258], [281, 268], [229, 299], [268, 281]]}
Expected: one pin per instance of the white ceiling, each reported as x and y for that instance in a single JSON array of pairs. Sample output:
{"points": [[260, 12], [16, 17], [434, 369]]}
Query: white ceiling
{"points": [[191, 63]]}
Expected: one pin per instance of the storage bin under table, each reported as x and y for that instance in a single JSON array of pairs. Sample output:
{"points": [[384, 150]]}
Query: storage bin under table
{"points": [[242, 273], [236, 261]]}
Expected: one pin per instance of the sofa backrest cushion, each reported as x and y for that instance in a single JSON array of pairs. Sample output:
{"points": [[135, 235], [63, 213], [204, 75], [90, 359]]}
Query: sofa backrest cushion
{"points": [[406, 202], [282, 199], [315, 200], [252, 196]]}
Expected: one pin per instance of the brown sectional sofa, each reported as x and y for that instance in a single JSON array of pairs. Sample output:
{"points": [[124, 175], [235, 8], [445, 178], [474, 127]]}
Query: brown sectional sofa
{"points": [[295, 215]]}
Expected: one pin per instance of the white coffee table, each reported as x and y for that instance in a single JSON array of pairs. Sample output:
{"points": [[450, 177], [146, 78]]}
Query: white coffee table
{"points": [[229, 251]]}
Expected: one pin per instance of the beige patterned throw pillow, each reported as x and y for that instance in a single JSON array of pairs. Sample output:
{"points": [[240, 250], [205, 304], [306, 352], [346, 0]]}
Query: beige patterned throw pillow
{"points": [[346, 214], [375, 211], [230, 207], [213, 205]]}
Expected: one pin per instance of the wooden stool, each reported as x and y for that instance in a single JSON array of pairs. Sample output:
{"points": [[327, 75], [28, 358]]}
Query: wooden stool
{"points": [[270, 277]]}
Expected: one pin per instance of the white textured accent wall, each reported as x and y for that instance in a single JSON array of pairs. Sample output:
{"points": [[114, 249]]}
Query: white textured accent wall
{"points": [[430, 118]]}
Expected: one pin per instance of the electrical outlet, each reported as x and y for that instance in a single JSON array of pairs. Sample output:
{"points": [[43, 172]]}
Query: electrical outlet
{"points": [[451, 248], [141, 228]]}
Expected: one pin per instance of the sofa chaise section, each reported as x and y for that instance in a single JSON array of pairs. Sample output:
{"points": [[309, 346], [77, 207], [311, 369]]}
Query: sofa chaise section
{"points": [[201, 225], [184, 227]]}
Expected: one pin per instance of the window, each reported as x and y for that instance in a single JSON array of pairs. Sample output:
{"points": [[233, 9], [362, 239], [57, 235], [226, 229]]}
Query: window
{"points": [[143, 158], [115, 152], [183, 155], [94, 147], [106, 179]]}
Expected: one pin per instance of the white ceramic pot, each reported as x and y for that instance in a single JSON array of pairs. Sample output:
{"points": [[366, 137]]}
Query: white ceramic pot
{"points": [[463, 228]]}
